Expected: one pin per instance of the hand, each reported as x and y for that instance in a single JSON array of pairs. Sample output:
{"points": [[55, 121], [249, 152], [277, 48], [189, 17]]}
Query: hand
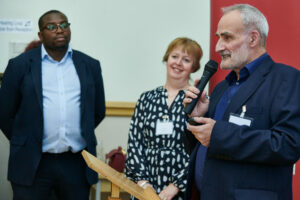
{"points": [[169, 192], [202, 132], [202, 105]]}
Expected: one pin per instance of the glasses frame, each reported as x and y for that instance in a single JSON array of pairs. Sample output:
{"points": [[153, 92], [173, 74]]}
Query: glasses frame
{"points": [[56, 26]]}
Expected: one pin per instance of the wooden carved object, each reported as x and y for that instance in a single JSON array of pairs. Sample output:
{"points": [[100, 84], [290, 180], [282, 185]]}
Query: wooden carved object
{"points": [[118, 178]]}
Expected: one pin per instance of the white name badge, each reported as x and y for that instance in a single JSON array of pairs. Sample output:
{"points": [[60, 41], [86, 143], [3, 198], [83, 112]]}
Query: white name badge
{"points": [[238, 120], [164, 127]]}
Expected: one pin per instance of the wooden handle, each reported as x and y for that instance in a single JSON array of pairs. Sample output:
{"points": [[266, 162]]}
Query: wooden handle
{"points": [[119, 179], [115, 191]]}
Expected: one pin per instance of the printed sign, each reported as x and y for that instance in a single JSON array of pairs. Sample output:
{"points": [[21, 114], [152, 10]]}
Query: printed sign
{"points": [[16, 26]]}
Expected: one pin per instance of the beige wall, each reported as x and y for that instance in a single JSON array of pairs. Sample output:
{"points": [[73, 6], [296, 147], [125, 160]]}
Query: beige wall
{"points": [[128, 37], [111, 133]]}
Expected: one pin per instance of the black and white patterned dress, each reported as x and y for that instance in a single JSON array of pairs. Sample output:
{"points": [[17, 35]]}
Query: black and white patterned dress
{"points": [[160, 159]]}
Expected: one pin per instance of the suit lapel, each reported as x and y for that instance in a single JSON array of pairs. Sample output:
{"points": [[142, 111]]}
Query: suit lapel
{"points": [[249, 87], [81, 71], [36, 72]]}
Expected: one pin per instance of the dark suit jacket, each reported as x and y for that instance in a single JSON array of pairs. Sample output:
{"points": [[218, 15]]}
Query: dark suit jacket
{"points": [[254, 162], [21, 111]]}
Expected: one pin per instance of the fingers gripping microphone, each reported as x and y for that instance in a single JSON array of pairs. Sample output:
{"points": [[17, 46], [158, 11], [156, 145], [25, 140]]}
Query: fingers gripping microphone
{"points": [[210, 68]]}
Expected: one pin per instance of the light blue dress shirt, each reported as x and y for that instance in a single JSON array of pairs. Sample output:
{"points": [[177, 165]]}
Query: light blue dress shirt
{"points": [[61, 105]]}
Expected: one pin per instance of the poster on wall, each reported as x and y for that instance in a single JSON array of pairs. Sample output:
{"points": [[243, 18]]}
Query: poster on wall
{"points": [[16, 26]]}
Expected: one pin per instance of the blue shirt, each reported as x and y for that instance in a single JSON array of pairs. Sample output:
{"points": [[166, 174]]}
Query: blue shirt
{"points": [[234, 86], [61, 105]]}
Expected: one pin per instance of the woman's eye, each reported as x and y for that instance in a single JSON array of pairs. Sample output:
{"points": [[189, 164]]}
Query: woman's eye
{"points": [[186, 60]]}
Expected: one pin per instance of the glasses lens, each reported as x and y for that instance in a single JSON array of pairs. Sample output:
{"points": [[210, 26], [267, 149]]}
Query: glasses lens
{"points": [[51, 27], [64, 25]]}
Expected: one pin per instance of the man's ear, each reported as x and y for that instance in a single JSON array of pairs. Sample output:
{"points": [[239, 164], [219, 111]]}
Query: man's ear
{"points": [[254, 38], [40, 36]]}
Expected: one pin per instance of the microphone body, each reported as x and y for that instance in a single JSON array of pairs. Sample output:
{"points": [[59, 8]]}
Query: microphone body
{"points": [[210, 68]]}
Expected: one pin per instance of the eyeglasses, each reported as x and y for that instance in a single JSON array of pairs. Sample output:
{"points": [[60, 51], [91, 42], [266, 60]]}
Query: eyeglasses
{"points": [[53, 27]]}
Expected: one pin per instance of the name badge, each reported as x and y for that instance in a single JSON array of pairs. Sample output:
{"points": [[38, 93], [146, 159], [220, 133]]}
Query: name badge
{"points": [[164, 127], [236, 119], [240, 119]]}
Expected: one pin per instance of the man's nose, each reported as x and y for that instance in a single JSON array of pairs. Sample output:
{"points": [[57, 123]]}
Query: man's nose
{"points": [[59, 29], [219, 46]]}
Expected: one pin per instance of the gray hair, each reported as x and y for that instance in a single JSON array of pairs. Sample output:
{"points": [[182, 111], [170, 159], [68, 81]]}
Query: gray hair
{"points": [[252, 19]]}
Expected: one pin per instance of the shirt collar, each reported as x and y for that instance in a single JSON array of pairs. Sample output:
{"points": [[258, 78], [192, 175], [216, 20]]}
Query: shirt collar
{"points": [[246, 71], [45, 54]]}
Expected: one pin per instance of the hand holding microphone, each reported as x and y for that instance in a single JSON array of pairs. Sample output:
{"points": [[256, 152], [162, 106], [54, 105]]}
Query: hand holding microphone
{"points": [[210, 68], [202, 104]]}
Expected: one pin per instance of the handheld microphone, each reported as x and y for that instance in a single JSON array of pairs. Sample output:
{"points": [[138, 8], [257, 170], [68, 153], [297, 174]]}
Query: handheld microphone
{"points": [[210, 68]]}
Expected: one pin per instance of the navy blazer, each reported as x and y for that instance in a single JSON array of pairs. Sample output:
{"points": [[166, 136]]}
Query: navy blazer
{"points": [[21, 111], [253, 162]]}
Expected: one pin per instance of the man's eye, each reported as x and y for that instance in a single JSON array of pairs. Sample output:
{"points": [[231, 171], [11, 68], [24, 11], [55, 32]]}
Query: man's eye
{"points": [[227, 37], [51, 27], [64, 25]]}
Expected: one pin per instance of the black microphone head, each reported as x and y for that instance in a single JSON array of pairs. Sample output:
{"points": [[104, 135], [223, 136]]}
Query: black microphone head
{"points": [[211, 66]]}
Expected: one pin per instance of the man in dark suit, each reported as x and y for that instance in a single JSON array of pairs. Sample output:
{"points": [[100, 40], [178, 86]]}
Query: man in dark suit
{"points": [[51, 100], [250, 133]]}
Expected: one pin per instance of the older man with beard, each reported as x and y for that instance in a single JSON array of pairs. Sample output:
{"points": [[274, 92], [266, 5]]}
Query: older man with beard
{"points": [[249, 137]]}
